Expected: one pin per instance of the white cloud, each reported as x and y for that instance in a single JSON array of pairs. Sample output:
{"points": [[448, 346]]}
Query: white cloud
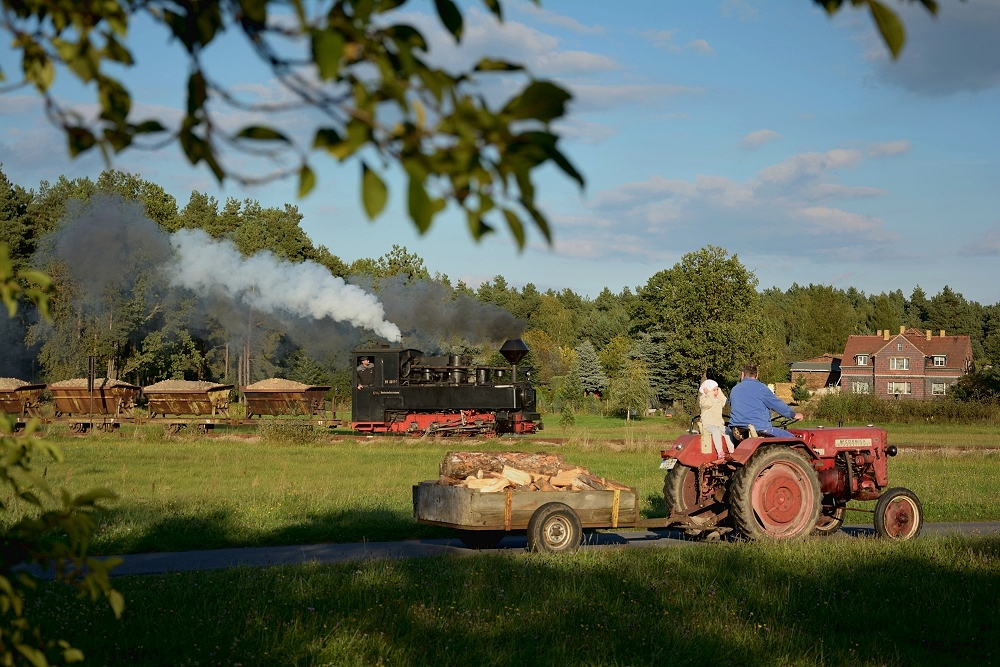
{"points": [[662, 39], [591, 96], [546, 16], [560, 62], [583, 131], [986, 244], [15, 104], [757, 139], [789, 207], [888, 148], [701, 46]]}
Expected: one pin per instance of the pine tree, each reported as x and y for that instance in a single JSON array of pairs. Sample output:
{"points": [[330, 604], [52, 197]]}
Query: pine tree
{"points": [[571, 391], [592, 376], [630, 390]]}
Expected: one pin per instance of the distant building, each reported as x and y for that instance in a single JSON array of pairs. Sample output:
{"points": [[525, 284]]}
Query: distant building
{"points": [[911, 364], [819, 372]]}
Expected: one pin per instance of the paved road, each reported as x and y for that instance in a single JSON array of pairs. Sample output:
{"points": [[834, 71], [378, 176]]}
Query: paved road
{"points": [[216, 559]]}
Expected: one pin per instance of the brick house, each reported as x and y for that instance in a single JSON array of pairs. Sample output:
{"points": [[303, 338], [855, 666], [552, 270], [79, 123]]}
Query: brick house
{"points": [[910, 364], [819, 372]]}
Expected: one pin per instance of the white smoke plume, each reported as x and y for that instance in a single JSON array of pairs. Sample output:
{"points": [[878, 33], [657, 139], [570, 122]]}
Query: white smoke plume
{"points": [[270, 284]]}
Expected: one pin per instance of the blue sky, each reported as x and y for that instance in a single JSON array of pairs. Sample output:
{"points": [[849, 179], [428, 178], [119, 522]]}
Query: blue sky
{"points": [[762, 127]]}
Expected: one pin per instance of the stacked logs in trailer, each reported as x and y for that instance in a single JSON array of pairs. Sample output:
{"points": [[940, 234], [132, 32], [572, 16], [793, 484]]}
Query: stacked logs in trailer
{"points": [[492, 472]]}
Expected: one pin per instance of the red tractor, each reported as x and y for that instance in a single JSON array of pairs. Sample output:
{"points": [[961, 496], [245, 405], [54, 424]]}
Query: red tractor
{"points": [[784, 488]]}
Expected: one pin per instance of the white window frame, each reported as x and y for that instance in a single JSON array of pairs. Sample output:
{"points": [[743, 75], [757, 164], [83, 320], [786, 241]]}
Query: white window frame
{"points": [[940, 358], [894, 363], [899, 346], [864, 388], [861, 359], [934, 388], [898, 388]]}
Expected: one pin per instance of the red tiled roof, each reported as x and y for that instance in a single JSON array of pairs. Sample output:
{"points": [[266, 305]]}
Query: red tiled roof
{"points": [[956, 348]]}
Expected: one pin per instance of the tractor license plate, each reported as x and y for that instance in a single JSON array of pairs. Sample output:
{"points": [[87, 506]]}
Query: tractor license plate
{"points": [[668, 464]]}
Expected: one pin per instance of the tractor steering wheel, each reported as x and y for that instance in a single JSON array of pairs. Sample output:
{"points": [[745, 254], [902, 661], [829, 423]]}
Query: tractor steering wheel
{"points": [[780, 421]]}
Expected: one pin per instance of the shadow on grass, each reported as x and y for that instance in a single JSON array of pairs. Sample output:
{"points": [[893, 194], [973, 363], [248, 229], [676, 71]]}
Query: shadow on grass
{"points": [[858, 602], [219, 528]]}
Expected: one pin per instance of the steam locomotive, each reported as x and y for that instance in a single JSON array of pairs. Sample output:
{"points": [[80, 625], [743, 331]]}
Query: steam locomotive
{"points": [[406, 392]]}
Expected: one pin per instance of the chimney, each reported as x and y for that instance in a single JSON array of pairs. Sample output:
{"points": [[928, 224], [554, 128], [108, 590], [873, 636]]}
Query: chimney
{"points": [[901, 329], [885, 335], [928, 332], [942, 333], [879, 334]]}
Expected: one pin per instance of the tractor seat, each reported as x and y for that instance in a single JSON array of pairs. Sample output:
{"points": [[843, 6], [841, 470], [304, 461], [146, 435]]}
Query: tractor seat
{"points": [[741, 433]]}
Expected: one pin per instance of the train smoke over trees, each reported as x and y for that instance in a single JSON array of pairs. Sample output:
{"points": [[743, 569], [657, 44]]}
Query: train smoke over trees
{"points": [[267, 283]]}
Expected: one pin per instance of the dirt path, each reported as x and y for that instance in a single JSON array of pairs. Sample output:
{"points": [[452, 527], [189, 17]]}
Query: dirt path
{"points": [[216, 559]]}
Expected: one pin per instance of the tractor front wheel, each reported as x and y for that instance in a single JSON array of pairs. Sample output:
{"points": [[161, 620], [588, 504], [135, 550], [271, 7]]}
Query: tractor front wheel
{"points": [[898, 514], [776, 495], [680, 490], [831, 518]]}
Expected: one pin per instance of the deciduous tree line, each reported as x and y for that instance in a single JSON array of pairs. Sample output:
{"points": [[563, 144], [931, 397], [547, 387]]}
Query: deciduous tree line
{"points": [[702, 317]]}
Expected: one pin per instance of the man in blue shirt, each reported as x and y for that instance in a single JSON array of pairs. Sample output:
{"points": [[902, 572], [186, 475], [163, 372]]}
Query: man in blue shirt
{"points": [[751, 402]]}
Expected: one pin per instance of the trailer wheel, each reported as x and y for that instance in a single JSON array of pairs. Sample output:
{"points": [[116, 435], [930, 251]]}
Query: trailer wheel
{"points": [[776, 495], [831, 518], [480, 539], [554, 528], [898, 514]]}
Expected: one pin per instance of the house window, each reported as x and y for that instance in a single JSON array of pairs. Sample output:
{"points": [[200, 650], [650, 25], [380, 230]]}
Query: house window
{"points": [[861, 388], [939, 360], [899, 346], [898, 388], [938, 388], [899, 364], [861, 359]]}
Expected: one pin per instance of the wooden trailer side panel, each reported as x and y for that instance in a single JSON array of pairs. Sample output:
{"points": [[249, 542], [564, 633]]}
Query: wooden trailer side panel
{"points": [[468, 509]]}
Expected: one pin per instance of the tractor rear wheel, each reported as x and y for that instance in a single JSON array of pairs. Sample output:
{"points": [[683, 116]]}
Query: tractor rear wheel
{"points": [[898, 514], [831, 518], [776, 495]]}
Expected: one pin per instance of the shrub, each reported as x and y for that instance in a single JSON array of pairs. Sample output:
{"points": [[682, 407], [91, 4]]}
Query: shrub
{"points": [[875, 409], [800, 392], [283, 432]]}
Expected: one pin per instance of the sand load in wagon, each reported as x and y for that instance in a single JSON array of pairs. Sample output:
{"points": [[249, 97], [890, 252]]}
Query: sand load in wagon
{"points": [[188, 397], [19, 398], [485, 495], [278, 397], [110, 397]]}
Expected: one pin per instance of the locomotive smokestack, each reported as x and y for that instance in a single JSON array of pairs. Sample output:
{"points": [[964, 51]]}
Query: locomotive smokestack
{"points": [[513, 351]]}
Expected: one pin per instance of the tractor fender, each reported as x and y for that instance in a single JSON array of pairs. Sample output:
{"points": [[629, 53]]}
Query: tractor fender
{"points": [[749, 447]]}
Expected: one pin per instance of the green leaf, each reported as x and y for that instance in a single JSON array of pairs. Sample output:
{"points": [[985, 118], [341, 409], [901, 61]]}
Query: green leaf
{"points": [[542, 100], [358, 134], [114, 50], [419, 205], [255, 10], [80, 139], [516, 227], [373, 192], [494, 6], [539, 219], [73, 655], [34, 656], [115, 100], [493, 65], [261, 133], [326, 138], [476, 225], [117, 602], [148, 126], [307, 180], [890, 26], [327, 50], [450, 17], [197, 92]]}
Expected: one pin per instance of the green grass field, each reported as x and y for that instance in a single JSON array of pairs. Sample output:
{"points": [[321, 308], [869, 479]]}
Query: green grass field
{"points": [[192, 492], [820, 602]]}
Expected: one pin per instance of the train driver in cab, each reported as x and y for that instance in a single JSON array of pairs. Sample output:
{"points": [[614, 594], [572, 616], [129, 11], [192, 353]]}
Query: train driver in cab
{"points": [[366, 373]]}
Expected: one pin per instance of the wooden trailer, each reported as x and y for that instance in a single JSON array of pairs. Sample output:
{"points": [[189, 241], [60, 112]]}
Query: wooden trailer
{"points": [[554, 520]]}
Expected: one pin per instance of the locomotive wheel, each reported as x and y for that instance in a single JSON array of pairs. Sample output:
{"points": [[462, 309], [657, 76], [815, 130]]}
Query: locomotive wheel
{"points": [[480, 539], [776, 495], [76, 427], [831, 518], [898, 514], [554, 528], [171, 429]]}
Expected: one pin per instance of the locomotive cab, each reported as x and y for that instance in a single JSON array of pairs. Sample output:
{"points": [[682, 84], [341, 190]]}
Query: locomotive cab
{"points": [[406, 391]]}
